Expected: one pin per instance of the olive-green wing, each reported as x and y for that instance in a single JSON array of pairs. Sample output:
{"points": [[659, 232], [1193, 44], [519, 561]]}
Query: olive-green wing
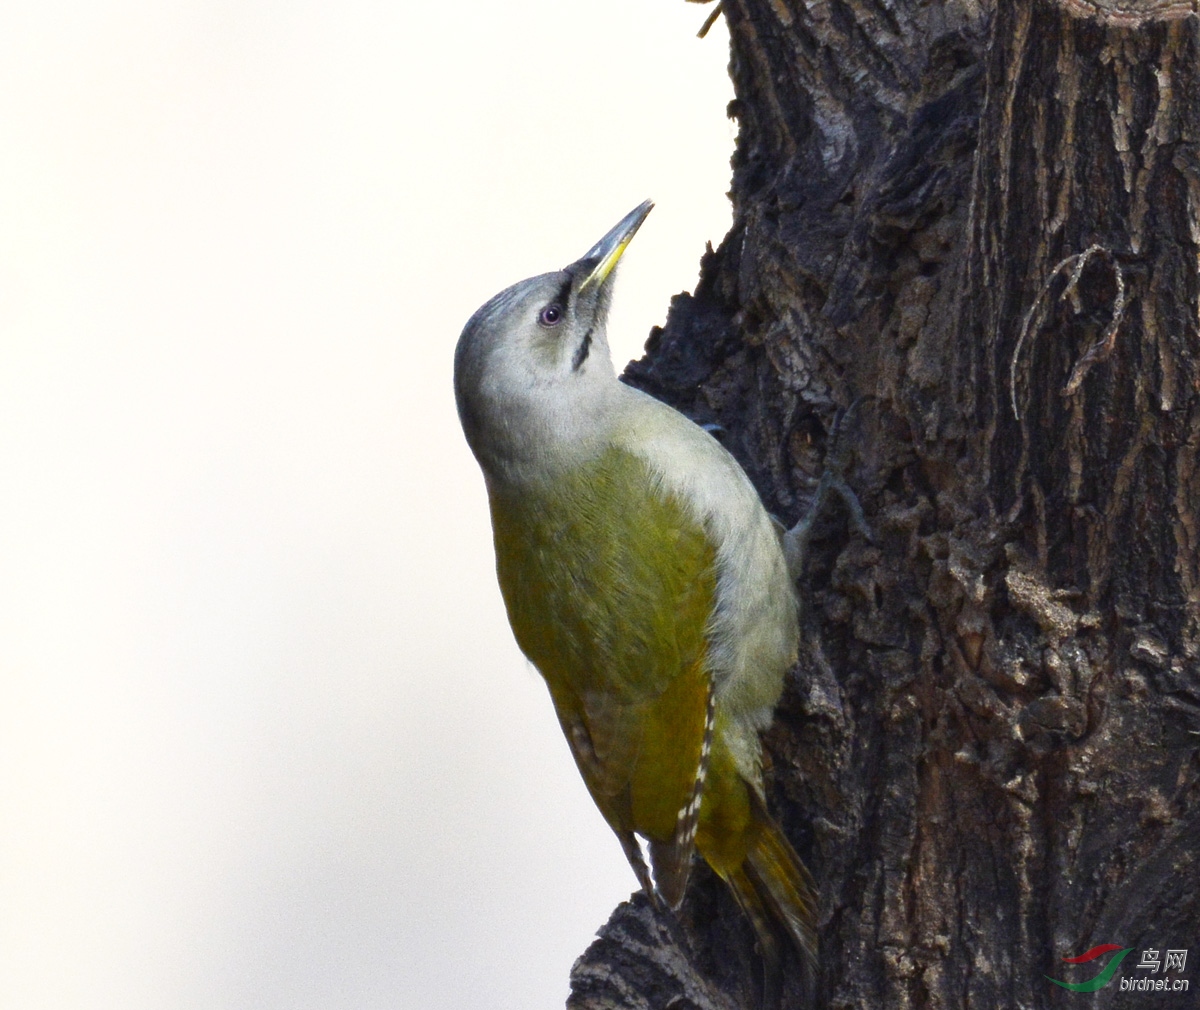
{"points": [[610, 586]]}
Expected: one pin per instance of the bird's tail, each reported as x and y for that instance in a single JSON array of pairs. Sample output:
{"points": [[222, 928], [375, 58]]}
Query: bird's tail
{"points": [[773, 888]]}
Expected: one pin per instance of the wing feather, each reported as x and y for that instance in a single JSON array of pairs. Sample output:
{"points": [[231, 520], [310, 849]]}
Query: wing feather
{"points": [[610, 585]]}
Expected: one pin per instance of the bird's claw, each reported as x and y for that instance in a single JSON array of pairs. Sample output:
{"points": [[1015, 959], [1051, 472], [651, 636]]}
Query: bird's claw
{"points": [[833, 481]]}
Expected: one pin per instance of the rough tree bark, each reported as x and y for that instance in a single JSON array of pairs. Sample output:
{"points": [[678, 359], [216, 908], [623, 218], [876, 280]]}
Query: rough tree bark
{"points": [[981, 221]]}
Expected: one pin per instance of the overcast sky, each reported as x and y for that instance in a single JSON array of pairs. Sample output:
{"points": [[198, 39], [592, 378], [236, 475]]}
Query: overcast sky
{"points": [[265, 740]]}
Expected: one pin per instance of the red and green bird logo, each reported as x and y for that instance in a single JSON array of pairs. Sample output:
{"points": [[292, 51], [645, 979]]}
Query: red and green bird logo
{"points": [[1101, 980]]}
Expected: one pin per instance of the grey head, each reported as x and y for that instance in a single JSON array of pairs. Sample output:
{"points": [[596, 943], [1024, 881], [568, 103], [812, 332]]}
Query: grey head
{"points": [[533, 375]]}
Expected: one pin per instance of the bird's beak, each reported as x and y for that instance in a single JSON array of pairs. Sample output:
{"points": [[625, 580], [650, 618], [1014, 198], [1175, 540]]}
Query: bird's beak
{"points": [[603, 256]]}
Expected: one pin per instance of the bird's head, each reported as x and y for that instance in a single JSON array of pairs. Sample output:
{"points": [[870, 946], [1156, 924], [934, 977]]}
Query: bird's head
{"points": [[532, 372]]}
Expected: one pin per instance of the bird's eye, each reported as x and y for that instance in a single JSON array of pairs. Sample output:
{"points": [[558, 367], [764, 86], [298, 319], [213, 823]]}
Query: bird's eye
{"points": [[551, 315]]}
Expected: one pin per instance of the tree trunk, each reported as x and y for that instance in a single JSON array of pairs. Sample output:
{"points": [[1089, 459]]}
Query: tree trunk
{"points": [[979, 224]]}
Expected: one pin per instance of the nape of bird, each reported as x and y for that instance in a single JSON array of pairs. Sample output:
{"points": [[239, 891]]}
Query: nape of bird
{"points": [[645, 581]]}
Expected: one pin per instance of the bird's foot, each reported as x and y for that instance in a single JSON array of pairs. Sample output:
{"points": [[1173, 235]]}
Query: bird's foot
{"points": [[832, 482]]}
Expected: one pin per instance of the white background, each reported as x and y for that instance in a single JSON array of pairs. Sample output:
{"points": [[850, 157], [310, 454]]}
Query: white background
{"points": [[265, 739]]}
